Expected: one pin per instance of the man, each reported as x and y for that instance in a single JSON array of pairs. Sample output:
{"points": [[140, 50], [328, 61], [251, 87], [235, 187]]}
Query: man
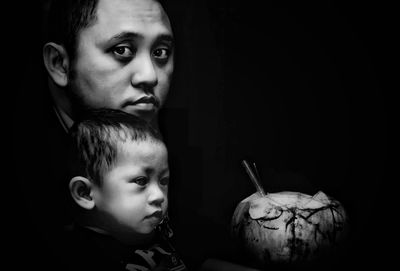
{"points": [[116, 54], [97, 53]]}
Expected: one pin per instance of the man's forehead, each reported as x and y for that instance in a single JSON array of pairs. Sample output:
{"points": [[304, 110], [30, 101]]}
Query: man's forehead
{"points": [[136, 10], [136, 16]]}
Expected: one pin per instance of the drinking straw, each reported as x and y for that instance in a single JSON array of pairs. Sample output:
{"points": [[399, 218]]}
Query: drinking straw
{"points": [[253, 178], [255, 169]]}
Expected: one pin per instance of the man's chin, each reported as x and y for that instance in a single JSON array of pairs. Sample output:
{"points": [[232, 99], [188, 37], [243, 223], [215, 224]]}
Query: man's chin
{"points": [[147, 115]]}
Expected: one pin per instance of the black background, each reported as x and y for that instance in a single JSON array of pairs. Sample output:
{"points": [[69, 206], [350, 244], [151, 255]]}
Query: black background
{"points": [[301, 89]]}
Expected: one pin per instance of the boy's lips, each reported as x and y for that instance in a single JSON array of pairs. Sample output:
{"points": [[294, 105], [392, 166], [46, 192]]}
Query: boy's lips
{"points": [[155, 218], [156, 214]]}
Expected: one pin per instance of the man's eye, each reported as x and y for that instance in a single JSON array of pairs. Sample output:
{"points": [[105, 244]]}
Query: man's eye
{"points": [[162, 53], [123, 51], [141, 181], [164, 181]]}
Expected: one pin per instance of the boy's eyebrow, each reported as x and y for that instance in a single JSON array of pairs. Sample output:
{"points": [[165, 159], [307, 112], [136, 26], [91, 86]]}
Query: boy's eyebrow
{"points": [[164, 173], [151, 170]]}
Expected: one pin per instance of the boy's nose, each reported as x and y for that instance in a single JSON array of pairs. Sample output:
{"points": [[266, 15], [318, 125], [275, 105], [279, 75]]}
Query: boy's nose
{"points": [[157, 195]]}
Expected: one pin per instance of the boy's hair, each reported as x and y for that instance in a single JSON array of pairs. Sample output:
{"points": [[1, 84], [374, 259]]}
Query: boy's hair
{"points": [[96, 139]]}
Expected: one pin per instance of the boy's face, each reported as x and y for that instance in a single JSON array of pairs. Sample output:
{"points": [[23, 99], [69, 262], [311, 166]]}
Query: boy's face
{"points": [[132, 199], [125, 59]]}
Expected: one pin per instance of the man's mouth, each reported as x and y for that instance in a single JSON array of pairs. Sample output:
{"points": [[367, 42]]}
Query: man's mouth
{"points": [[144, 103], [145, 107]]}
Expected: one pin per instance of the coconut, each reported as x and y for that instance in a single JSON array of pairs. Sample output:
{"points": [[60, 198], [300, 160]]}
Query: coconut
{"points": [[289, 226]]}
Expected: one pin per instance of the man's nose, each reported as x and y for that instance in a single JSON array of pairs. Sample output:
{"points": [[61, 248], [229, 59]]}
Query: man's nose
{"points": [[144, 73], [156, 195]]}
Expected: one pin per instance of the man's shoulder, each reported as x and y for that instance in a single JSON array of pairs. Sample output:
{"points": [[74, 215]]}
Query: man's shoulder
{"points": [[85, 252]]}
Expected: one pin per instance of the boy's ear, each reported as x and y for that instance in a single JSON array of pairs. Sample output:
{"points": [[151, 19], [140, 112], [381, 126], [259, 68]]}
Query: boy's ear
{"points": [[57, 63], [81, 191]]}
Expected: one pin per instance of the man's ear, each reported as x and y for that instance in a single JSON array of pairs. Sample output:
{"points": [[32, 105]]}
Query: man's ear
{"points": [[81, 191], [57, 63]]}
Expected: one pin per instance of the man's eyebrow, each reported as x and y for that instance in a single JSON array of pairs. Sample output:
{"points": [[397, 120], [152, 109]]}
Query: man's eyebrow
{"points": [[124, 36], [166, 37], [132, 35]]}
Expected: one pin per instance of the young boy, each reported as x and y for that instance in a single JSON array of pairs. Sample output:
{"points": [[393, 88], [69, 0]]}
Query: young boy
{"points": [[119, 192]]}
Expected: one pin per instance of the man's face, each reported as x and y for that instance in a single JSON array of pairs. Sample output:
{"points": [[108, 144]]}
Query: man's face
{"points": [[124, 59], [132, 198]]}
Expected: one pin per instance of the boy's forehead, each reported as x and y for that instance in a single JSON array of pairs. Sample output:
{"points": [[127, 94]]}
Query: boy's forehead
{"points": [[141, 148], [143, 155]]}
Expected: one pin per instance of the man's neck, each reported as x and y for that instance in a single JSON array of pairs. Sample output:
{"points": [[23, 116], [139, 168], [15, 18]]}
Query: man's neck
{"points": [[65, 121], [60, 105]]}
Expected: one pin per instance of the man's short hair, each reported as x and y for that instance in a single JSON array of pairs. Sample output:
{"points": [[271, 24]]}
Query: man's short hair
{"points": [[66, 18], [97, 137]]}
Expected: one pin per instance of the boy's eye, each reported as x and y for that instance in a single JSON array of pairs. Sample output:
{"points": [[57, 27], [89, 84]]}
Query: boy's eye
{"points": [[164, 181], [141, 181]]}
